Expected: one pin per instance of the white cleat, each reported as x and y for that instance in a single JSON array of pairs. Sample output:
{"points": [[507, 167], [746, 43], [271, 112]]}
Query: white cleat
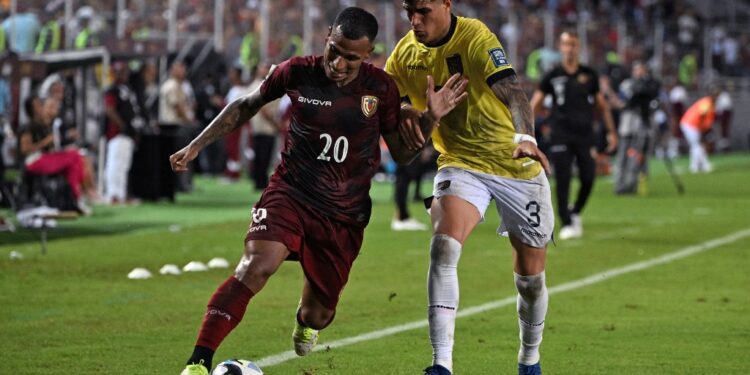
{"points": [[569, 232], [408, 224]]}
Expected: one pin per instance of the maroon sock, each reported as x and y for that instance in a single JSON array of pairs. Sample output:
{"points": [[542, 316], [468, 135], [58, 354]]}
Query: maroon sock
{"points": [[225, 311]]}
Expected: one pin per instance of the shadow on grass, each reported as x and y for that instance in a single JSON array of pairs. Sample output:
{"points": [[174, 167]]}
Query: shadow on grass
{"points": [[68, 231]]}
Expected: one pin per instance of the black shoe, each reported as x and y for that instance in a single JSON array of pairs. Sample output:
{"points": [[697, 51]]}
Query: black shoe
{"points": [[436, 370]]}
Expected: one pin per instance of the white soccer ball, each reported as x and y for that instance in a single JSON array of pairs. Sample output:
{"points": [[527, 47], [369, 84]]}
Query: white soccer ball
{"points": [[237, 367]]}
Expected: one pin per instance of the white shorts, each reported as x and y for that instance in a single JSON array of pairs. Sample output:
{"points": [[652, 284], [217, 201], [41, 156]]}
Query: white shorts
{"points": [[524, 206]]}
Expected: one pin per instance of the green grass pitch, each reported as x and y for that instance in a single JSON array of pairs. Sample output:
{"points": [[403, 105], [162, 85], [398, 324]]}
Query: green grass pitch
{"points": [[74, 311]]}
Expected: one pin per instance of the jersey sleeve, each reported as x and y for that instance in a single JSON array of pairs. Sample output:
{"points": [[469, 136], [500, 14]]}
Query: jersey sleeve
{"points": [[595, 82], [392, 68], [488, 56], [389, 121], [277, 82], [545, 85]]}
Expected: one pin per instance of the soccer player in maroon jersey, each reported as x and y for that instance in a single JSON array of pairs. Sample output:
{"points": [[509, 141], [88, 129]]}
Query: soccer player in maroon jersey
{"points": [[317, 203]]}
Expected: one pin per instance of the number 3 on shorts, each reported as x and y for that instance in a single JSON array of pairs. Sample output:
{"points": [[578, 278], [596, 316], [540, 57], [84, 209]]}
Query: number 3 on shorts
{"points": [[533, 209]]}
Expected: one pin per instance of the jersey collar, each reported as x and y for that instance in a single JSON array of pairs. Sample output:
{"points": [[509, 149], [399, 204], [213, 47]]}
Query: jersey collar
{"points": [[447, 37]]}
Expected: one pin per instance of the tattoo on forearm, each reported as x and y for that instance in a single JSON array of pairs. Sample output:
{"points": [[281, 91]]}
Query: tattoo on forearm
{"points": [[233, 116], [509, 91]]}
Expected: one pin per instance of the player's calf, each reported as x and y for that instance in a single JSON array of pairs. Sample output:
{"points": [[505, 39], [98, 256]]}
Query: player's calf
{"points": [[532, 309], [307, 327], [442, 292]]}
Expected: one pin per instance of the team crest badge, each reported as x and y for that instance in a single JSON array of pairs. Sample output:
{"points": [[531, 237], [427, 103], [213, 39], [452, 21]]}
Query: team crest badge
{"points": [[369, 105]]}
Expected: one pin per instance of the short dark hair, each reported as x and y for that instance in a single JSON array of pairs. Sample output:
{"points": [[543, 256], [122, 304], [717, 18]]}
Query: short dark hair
{"points": [[356, 23], [411, 3]]}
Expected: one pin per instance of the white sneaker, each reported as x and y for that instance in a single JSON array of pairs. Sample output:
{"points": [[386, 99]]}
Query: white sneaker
{"points": [[569, 232], [577, 223], [407, 224]]}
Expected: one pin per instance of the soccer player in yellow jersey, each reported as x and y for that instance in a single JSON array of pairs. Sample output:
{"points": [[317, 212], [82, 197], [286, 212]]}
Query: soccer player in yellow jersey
{"points": [[487, 151]]}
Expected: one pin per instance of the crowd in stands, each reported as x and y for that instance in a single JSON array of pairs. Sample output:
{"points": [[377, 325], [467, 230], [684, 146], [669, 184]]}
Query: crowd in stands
{"points": [[138, 102]]}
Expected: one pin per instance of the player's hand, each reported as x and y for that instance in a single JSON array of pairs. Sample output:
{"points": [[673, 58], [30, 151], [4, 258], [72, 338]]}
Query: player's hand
{"points": [[528, 149], [611, 142], [450, 95], [180, 159], [409, 128]]}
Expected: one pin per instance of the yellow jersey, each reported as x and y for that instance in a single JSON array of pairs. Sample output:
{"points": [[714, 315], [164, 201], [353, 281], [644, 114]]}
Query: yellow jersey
{"points": [[478, 134]]}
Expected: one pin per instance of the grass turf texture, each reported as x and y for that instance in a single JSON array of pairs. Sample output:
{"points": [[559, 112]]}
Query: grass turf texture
{"points": [[74, 310]]}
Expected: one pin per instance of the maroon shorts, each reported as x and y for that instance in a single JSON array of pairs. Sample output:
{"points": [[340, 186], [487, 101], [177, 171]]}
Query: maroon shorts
{"points": [[325, 248]]}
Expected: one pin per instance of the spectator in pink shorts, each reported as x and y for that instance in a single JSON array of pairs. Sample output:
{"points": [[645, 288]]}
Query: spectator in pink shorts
{"points": [[36, 143]]}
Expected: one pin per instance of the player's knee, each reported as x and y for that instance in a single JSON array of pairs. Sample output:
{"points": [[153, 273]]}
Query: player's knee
{"points": [[255, 269], [316, 318], [531, 287], [444, 250]]}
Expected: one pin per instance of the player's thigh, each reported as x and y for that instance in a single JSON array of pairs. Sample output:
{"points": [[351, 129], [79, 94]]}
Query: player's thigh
{"points": [[527, 260], [460, 202], [275, 230], [525, 209], [327, 255]]}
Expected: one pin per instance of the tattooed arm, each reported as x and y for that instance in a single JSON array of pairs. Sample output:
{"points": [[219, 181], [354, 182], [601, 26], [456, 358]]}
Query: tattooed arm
{"points": [[233, 116], [509, 91]]}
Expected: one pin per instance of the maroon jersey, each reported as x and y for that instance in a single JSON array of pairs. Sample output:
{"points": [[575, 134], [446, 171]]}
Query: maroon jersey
{"points": [[332, 149]]}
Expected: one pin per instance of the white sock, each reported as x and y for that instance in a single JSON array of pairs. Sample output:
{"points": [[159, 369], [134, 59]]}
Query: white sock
{"points": [[532, 308], [442, 292]]}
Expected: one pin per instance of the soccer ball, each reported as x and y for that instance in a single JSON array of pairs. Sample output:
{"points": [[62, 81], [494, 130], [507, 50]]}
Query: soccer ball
{"points": [[237, 367]]}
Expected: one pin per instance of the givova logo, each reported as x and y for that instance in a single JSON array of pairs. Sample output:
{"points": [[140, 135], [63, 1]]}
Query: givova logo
{"points": [[318, 102], [258, 214]]}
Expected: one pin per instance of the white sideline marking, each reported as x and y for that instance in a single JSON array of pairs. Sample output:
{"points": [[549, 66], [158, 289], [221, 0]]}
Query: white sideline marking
{"points": [[572, 285]]}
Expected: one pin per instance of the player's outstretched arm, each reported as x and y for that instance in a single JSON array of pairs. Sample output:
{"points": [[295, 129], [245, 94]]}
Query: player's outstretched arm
{"points": [[415, 128], [509, 91], [231, 117]]}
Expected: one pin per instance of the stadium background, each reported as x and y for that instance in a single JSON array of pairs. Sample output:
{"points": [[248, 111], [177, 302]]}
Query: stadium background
{"points": [[74, 310], [666, 34]]}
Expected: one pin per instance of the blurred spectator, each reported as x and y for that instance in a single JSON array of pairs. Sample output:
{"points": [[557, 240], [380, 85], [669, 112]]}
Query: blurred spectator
{"points": [[641, 94], [50, 35], [615, 71], [176, 98], [678, 101], [176, 119], [576, 98], [36, 148], [688, 27], [265, 130], [249, 46], [123, 120], [696, 122], [731, 50], [26, 26], [87, 35], [209, 102], [688, 70], [233, 141], [146, 86], [724, 117]]}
